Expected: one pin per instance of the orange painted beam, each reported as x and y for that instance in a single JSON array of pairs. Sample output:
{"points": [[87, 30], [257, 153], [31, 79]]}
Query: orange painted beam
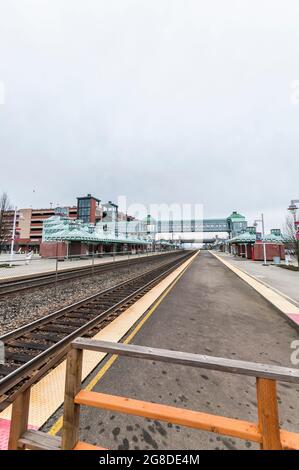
{"points": [[85, 446], [289, 440], [189, 418]]}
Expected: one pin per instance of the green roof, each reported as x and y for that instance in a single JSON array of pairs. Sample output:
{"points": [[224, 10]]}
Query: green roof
{"points": [[62, 228], [149, 220], [236, 216], [274, 238], [249, 237], [245, 237]]}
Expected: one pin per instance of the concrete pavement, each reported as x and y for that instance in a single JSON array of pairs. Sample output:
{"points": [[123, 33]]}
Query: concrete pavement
{"points": [[209, 311], [284, 280], [39, 265]]}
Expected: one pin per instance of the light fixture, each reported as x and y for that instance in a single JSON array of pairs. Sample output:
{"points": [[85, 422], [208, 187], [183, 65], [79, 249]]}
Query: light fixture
{"points": [[292, 208]]}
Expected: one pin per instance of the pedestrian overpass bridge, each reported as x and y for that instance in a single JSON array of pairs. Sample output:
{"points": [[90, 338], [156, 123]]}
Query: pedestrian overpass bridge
{"points": [[233, 225], [194, 240]]}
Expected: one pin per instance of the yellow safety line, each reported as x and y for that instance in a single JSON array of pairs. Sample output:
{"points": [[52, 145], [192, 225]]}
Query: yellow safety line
{"points": [[58, 424]]}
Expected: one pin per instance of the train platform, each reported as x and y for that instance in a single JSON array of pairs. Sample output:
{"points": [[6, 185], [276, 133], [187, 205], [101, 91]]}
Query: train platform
{"points": [[207, 309], [286, 305], [285, 281], [23, 268]]}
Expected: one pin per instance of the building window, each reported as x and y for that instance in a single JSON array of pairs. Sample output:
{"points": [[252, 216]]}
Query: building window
{"points": [[84, 210]]}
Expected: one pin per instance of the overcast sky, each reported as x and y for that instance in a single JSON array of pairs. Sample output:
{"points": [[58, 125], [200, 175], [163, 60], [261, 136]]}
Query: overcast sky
{"points": [[163, 101]]}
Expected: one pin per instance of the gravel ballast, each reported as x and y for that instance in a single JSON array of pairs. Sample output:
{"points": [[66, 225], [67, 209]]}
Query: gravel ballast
{"points": [[19, 309]]}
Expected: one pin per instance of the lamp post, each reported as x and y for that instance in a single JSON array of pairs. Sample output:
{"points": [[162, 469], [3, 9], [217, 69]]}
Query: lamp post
{"points": [[13, 236], [263, 235], [293, 209]]}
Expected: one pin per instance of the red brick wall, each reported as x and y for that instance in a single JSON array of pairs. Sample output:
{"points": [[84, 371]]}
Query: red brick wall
{"points": [[249, 251], [84, 249], [77, 248], [271, 251], [53, 249], [93, 205]]}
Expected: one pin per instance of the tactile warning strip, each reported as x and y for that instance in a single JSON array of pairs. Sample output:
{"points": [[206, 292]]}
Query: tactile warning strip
{"points": [[4, 432], [48, 394]]}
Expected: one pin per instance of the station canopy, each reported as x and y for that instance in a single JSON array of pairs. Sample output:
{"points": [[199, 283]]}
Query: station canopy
{"points": [[251, 237], [59, 228]]}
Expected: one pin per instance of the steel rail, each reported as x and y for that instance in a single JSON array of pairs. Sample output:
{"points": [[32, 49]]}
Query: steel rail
{"points": [[15, 377], [14, 334]]}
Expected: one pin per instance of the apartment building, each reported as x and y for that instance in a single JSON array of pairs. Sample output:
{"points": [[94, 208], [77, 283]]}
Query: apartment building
{"points": [[29, 221], [29, 227]]}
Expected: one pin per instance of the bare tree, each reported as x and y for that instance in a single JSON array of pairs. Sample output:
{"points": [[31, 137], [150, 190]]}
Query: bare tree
{"points": [[290, 238], [5, 216]]}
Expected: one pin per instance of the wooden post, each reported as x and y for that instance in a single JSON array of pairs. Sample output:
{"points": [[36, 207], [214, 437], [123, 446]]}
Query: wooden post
{"points": [[268, 419], [71, 411], [19, 420]]}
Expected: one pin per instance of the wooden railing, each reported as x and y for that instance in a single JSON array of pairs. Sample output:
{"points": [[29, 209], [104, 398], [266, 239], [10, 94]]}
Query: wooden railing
{"points": [[266, 431]]}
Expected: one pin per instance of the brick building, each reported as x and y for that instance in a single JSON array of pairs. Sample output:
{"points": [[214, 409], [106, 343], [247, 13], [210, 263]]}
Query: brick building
{"points": [[249, 245], [6, 227], [29, 222], [29, 227], [65, 237], [89, 209]]}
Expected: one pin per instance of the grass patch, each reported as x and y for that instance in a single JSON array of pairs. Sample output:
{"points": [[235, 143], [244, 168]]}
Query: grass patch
{"points": [[290, 267]]}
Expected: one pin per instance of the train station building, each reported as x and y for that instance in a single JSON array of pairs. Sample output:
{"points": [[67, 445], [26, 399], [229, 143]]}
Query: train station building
{"points": [[64, 237], [249, 245], [92, 226], [30, 222]]}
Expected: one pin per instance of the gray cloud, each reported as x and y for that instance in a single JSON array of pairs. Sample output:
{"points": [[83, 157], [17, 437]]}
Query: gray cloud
{"points": [[164, 101]]}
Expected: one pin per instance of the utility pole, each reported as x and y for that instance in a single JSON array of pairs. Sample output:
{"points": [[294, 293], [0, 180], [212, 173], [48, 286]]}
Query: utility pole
{"points": [[264, 244], [263, 236]]}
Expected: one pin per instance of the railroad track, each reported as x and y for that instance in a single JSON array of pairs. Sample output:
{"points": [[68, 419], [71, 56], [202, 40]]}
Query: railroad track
{"points": [[13, 286], [32, 350]]}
